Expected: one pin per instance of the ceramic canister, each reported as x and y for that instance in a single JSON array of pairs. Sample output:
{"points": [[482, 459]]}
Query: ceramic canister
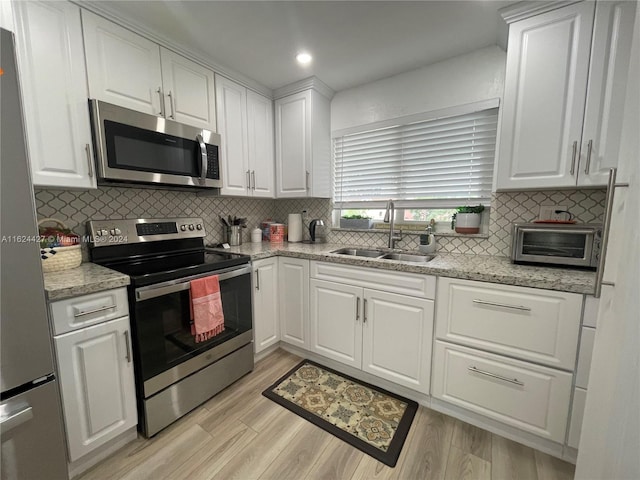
{"points": [[276, 231]]}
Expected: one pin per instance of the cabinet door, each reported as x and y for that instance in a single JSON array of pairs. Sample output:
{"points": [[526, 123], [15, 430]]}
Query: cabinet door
{"points": [[336, 321], [123, 68], [266, 328], [544, 98], [260, 144], [231, 101], [54, 94], [189, 91], [96, 382], [293, 148], [293, 274], [397, 336], [610, 53]]}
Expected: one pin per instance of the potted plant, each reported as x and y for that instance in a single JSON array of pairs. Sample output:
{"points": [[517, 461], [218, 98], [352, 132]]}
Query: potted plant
{"points": [[355, 221], [467, 219]]}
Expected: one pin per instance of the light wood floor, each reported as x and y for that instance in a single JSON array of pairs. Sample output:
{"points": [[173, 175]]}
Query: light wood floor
{"points": [[239, 434]]}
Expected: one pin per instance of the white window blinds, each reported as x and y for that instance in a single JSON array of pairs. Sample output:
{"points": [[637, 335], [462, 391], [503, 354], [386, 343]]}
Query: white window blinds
{"points": [[441, 162]]}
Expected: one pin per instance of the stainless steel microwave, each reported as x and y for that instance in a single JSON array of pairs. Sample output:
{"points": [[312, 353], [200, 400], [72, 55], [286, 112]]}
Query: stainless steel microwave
{"points": [[134, 147], [576, 245]]}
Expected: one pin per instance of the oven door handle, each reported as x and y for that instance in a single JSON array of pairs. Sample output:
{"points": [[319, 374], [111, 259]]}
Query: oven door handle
{"points": [[145, 293]]}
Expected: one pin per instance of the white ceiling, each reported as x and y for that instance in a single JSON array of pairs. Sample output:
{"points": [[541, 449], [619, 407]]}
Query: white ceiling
{"points": [[352, 43]]}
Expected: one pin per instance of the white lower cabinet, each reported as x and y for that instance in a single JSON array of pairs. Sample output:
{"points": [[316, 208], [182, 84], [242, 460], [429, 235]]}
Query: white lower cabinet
{"points": [[336, 330], [266, 327], [386, 334], [397, 334], [529, 397], [532, 324], [508, 353], [293, 284], [95, 371]]}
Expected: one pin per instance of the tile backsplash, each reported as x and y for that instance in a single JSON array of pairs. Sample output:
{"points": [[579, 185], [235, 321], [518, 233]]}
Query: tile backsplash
{"points": [[76, 207]]}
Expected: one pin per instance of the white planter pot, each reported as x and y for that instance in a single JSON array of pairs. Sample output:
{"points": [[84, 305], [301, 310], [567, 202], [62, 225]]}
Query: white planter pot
{"points": [[468, 222]]}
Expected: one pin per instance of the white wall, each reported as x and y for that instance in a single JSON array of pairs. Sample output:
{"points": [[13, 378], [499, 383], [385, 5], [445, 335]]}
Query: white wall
{"points": [[464, 79]]}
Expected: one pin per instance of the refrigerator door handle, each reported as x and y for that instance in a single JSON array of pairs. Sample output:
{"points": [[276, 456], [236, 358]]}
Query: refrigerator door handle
{"points": [[14, 419]]}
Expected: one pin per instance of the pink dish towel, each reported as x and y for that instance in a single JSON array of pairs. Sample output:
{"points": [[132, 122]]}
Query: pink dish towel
{"points": [[206, 308]]}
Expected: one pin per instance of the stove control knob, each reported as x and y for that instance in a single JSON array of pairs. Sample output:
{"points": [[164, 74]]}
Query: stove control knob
{"points": [[118, 231], [190, 227], [113, 231], [183, 228], [199, 227], [102, 232]]}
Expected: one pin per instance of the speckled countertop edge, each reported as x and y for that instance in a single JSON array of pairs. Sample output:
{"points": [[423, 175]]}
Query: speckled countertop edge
{"points": [[483, 268], [87, 278], [91, 278]]}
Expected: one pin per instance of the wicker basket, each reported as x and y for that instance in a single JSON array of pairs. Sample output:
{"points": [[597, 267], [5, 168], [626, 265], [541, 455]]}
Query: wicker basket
{"points": [[56, 259]]}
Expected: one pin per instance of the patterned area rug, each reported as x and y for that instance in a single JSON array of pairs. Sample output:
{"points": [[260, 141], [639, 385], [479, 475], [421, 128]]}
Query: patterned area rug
{"points": [[369, 418]]}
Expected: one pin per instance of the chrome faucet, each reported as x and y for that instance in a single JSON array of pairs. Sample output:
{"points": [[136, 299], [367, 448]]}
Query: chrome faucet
{"points": [[389, 217]]}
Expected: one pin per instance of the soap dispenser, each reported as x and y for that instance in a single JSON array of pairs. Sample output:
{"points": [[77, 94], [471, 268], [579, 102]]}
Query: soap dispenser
{"points": [[428, 239]]}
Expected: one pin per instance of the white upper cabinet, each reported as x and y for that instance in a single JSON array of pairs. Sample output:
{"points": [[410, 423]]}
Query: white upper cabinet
{"points": [[54, 93], [245, 123], [123, 67], [303, 145], [260, 144], [564, 96], [189, 91], [610, 53], [544, 97], [232, 126], [128, 70]]}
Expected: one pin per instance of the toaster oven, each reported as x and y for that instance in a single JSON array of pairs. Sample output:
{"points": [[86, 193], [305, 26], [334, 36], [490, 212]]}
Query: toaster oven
{"points": [[574, 245]]}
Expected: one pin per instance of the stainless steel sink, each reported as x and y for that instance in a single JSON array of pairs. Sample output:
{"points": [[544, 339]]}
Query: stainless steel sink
{"points": [[359, 252], [382, 254], [407, 257]]}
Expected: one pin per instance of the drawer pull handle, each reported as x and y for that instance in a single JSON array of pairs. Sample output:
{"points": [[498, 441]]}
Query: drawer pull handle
{"points": [[504, 305], [95, 310], [357, 309], [515, 381]]}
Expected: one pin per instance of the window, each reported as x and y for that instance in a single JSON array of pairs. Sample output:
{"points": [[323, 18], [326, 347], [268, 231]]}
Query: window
{"points": [[433, 161]]}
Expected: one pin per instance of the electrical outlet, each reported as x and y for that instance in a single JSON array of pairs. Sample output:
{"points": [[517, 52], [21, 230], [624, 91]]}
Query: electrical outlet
{"points": [[548, 212]]}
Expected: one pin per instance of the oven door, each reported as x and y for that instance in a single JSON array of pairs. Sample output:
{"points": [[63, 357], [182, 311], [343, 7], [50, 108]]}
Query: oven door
{"points": [[165, 350], [137, 147], [559, 247]]}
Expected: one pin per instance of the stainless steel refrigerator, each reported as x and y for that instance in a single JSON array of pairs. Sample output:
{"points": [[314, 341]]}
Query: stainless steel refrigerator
{"points": [[31, 428]]}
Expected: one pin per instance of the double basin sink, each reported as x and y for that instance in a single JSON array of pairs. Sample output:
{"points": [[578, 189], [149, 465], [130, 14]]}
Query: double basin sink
{"points": [[384, 255]]}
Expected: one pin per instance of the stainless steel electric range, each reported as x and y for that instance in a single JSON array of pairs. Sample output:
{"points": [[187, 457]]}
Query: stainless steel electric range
{"points": [[174, 374]]}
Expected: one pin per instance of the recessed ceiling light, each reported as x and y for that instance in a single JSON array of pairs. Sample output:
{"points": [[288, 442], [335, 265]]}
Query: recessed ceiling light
{"points": [[303, 58]]}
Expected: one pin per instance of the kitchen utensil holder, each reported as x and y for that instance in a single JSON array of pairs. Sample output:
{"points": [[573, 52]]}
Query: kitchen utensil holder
{"points": [[234, 235]]}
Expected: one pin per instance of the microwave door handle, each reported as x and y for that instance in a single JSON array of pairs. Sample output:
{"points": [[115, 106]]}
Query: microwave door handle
{"points": [[203, 156]]}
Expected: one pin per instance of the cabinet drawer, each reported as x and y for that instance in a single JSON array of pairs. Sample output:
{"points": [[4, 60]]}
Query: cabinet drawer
{"points": [[520, 394], [80, 312], [413, 284], [541, 326]]}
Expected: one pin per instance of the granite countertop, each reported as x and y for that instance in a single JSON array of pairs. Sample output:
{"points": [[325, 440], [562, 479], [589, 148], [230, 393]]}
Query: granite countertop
{"points": [[90, 278], [87, 278], [484, 268]]}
